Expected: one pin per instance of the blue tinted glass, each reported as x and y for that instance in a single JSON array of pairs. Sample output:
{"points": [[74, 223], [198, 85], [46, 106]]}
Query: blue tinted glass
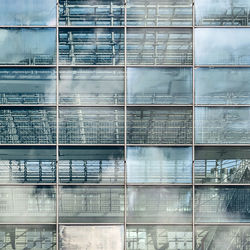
{"points": [[27, 86], [222, 46], [28, 12], [159, 86], [21, 46], [159, 165]]}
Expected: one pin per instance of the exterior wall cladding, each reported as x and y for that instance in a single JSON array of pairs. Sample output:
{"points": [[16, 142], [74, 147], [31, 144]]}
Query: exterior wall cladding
{"points": [[125, 124]]}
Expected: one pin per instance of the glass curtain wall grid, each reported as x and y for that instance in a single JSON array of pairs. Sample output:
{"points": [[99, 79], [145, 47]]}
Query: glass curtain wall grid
{"points": [[124, 123]]}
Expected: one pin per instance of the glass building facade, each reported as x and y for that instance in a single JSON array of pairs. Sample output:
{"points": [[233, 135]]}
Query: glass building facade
{"points": [[125, 124]]}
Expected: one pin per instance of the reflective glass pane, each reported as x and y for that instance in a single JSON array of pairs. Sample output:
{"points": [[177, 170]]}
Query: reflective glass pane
{"points": [[159, 204], [91, 204], [27, 204], [27, 237], [91, 164], [91, 13], [159, 237], [222, 13], [222, 204], [21, 46], [222, 86], [91, 86], [222, 237], [28, 12], [109, 237], [28, 126], [170, 125], [228, 125], [91, 125], [100, 46], [222, 46], [27, 164], [222, 165], [159, 164], [159, 85], [27, 86], [159, 46], [159, 13]]}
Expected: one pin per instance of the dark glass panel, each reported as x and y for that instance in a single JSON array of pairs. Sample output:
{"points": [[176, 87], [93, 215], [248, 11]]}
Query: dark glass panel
{"points": [[151, 125], [91, 86], [91, 204], [91, 164], [159, 164], [159, 86]]}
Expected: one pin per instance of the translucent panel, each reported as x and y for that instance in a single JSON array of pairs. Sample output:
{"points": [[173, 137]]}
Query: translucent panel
{"points": [[222, 237], [95, 237], [27, 164], [222, 204], [27, 86], [91, 125], [222, 86], [159, 237], [222, 46], [159, 164], [91, 164], [21, 46], [100, 46], [28, 12], [159, 204], [228, 125], [30, 204], [222, 165], [27, 237], [28, 125], [170, 125], [159, 46], [91, 86], [91, 13], [91, 204], [222, 13], [159, 13], [159, 85]]}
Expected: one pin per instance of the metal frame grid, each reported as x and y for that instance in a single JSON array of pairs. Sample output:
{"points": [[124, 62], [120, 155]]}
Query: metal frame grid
{"points": [[125, 107]]}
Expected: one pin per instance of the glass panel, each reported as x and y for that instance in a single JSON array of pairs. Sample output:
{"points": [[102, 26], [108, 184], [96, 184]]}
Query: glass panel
{"points": [[222, 86], [159, 85], [91, 13], [27, 237], [28, 12], [21, 46], [27, 164], [159, 46], [159, 237], [92, 125], [28, 126], [27, 86], [28, 204], [100, 46], [91, 204], [222, 46], [159, 13], [223, 12], [222, 165], [222, 204], [159, 204], [222, 125], [95, 237], [159, 165], [91, 164], [170, 125], [222, 237], [91, 86]]}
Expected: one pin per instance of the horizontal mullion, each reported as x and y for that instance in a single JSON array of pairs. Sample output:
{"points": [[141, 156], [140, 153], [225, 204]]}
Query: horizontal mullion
{"points": [[28, 26], [221, 26], [222, 105], [222, 66]]}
